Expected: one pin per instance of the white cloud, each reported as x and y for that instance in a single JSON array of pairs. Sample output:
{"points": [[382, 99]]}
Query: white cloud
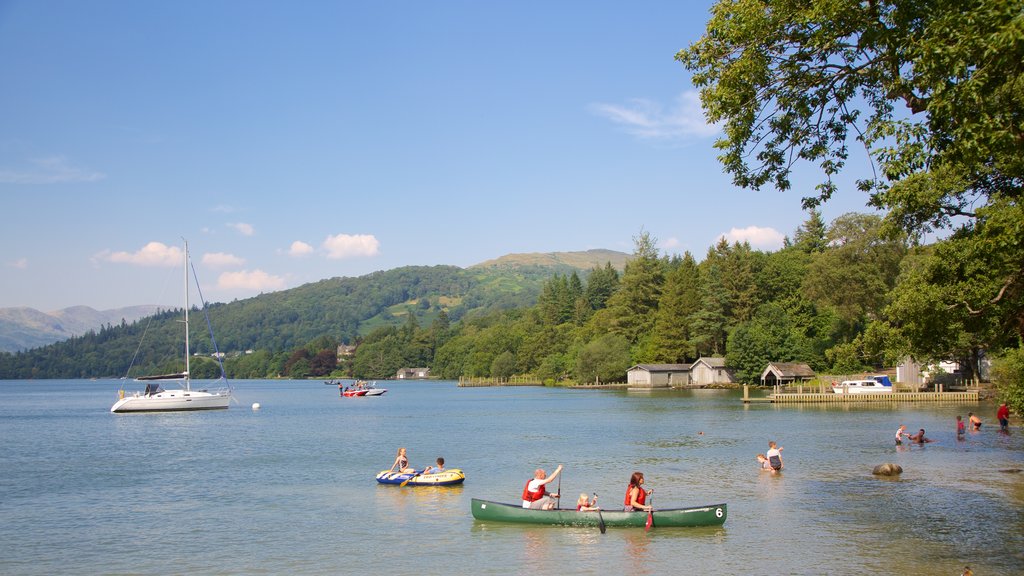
{"points": [[152, 254], [20, 264], [299, 249], [670, 244], [767, 238], [51, 170], [351, 246], [252, 281], [243, 228], [648, 120], [222, 260]]}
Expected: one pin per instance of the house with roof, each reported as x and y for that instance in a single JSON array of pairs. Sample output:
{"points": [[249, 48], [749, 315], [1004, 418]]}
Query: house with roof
{"points": [[412, 374], [783, 373], [709, 371], [658, 375]]}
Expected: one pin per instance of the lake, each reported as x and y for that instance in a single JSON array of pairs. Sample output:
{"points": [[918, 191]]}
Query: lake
{"points": [[290, 488]]}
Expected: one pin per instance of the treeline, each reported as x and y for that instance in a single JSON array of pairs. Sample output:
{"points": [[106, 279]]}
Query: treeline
{"points": [[815, 301], [261, 335], [842, 297]]}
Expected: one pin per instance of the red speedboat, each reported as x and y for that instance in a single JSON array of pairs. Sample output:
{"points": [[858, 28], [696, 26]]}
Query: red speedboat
{"points": [[354, 392]]}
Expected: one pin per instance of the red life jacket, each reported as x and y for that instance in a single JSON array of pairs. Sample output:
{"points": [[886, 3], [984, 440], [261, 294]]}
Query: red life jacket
{"points": [[641, 497], [532, 496]]}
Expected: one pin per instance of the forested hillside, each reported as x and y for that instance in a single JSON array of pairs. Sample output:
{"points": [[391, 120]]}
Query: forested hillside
{"points": [[834, 297], [274, 325]]}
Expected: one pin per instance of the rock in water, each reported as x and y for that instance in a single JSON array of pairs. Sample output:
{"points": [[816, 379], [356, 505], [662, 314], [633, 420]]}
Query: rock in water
{"points": [[887, 469]]}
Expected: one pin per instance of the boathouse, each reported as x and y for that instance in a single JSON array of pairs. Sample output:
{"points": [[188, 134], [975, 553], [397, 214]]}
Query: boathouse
{"points": [[707, 371], [412, 373], [658, 375], [783, 373]]}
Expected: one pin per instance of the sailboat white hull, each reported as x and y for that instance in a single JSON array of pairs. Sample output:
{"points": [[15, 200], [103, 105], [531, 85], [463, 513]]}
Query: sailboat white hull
{"points": [[156, 399], [173, 401]]}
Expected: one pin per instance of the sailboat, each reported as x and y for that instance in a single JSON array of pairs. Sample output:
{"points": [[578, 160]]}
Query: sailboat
{"points": [[156, 399]]}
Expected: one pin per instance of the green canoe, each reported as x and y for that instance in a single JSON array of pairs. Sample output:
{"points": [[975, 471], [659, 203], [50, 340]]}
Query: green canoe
{"points": [[713, 515]]}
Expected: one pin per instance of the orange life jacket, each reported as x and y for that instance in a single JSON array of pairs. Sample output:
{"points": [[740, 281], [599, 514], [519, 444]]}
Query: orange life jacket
{"points": [[532, 496], [641, 497]]}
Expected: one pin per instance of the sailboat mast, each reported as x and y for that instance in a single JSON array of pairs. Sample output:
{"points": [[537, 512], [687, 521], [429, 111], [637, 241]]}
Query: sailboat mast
{"points": [[188, 373]]}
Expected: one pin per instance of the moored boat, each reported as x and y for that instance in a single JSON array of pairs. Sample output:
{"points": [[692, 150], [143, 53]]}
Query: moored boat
{"points": [[156, 399], [713, 515], [875, 385], [449, 477]]}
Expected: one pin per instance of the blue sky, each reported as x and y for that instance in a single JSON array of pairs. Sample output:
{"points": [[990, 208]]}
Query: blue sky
{"points": [[290, 142]]}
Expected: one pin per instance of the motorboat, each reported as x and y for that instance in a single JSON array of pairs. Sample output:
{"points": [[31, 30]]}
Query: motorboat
{"points": [[874, 385]]}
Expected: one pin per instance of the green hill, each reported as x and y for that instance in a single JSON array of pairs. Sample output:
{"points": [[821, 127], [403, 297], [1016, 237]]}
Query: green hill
{"points": [[342, 309]]}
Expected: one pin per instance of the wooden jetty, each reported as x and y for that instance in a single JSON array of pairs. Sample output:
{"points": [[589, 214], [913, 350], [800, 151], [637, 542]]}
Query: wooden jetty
{"points": [[779, 397], [475, 382]]}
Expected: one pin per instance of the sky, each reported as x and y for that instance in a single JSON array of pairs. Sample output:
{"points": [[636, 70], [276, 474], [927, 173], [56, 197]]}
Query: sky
{"points": [[289, 142]]}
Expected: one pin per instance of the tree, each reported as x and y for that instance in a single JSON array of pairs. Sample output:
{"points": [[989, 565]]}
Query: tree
{"points": [[605, 359], [633, 305], [810, 237], [769, 337], [601, 284], [504, 365], [1008, 374], [857, 271], [933, 92], [672, 338]]}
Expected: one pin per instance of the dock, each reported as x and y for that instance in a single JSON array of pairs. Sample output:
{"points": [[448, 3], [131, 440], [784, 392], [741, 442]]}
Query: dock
{"points": [[779, 397], [475, 382]]}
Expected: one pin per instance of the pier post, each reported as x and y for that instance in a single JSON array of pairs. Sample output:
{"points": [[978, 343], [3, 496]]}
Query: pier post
{"points": [[746, 393]]}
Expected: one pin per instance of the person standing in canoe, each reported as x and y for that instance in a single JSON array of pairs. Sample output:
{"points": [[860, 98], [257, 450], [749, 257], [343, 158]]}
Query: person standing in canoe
{"points": [[535, 494], [636, 496], [401, 464]]}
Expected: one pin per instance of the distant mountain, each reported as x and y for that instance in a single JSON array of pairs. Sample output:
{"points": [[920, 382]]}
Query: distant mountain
{"points": [[566, 261], [345, 308], [24, 328]]}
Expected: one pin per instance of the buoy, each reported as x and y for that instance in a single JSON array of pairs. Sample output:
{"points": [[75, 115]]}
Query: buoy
{"points": [[255, 405]]}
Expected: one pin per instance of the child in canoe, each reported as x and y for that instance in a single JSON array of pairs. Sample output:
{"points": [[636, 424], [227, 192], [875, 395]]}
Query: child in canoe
{"points": [[585, 504]]}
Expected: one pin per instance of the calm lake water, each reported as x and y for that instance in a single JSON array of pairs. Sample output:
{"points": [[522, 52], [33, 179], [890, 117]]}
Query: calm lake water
{"points": [[290, 488]]}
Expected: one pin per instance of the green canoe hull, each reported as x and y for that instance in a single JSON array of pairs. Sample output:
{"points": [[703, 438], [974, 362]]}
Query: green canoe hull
{"points": [[488, 511]]}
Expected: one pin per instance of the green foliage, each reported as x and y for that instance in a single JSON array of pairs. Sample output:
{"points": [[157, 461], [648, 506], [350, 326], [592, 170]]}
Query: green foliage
{"points": [[504, 365], [933, 91], [770, 336], [672, 339], [605, 359], [1008, 374], [633, 306]]}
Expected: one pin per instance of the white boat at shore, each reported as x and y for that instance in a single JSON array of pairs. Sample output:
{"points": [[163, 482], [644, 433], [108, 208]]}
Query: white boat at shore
{"points": [[875, 385], [156, 399]]}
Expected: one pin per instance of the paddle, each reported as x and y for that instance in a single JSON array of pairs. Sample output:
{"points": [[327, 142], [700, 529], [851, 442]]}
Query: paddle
{"points": [[407, 479], [650, 514], [558, 495], [600, 519]]}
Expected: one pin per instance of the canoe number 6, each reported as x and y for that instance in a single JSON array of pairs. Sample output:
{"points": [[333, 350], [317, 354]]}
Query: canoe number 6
{"points": [[718, 512]]}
